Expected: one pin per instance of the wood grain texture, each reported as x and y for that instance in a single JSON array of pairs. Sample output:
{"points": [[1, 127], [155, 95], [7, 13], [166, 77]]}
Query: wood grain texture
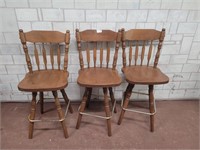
{"points": [[44, 56], [41, 102], [99, 77], [130, 53], [88, 56], [36, 56], [47, 79], [149, 53], [123, 47], [32, 114], [44, 80], [162, 35], [52, 56], [141, 34], [142, 54], [78, 40], [151, 107], [95, 54], [82, 107], [60, 113], [144, 75], [23, 41], [45, 36], [107, 110], [136, 52], [67, 41], [94, 36], [58, 57], [127, 96], [101, 56], [107, 55]]}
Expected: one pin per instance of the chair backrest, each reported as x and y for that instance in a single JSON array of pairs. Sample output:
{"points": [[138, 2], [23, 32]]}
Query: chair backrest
{"points": [[40, 39], [98, 41], [136, 40]]}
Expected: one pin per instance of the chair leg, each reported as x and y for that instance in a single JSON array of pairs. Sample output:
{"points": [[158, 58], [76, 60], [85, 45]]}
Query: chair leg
{"points": [[60, 113], [112, 98], [41, 102], [32, 114], [66, 100], [89, 97], [82, 108], [107, 110], [127, 96], [151, 107]]}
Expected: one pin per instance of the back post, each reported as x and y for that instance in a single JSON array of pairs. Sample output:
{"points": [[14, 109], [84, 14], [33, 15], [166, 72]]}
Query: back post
{"points": [[23, 41], [123, 48], [79, 48], [162, 36], [67, 40], [116, 49]]}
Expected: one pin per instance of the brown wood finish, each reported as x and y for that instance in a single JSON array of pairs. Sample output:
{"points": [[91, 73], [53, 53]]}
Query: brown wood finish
{"points": [[108, 55], [141, 73], [127, 95], [41, 102], [44, 56], [151, 107], [82, 108], [36, 57], [64, 94], [58, 57], [107, 110], [112, 98], [32, 114], [89, 97], [45, 79], [95, 54], [99, 75], [144, 75], [60, 113]]}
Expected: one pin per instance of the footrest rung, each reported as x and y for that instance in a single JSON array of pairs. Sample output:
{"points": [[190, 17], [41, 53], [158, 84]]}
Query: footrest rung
{"points": [[98, 116], [44, 120], [140, 112]]}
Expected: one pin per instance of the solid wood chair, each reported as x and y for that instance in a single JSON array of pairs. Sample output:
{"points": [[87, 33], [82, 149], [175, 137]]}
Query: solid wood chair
{"points": [[98, 75], [46, 79], [139, 70]]}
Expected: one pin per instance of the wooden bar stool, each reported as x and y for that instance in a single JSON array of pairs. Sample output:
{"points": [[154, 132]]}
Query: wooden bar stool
{"points": [[139, 72], [100, 75], [43, 79]]}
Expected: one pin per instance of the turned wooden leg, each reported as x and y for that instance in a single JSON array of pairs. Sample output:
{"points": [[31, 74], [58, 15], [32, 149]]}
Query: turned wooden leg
{"points": [[151, 107], [41, 102], [82, 108], [60, 113], [66, 100], [127, 96], [89, 97], [32, 114], [112, 98], [107, 110]]}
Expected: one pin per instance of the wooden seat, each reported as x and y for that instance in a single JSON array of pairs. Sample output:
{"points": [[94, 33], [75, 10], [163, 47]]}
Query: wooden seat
{"points": [[44, 78], [101, 75], [139, 44], [144, 75], [39, 81], [98, 77]]}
